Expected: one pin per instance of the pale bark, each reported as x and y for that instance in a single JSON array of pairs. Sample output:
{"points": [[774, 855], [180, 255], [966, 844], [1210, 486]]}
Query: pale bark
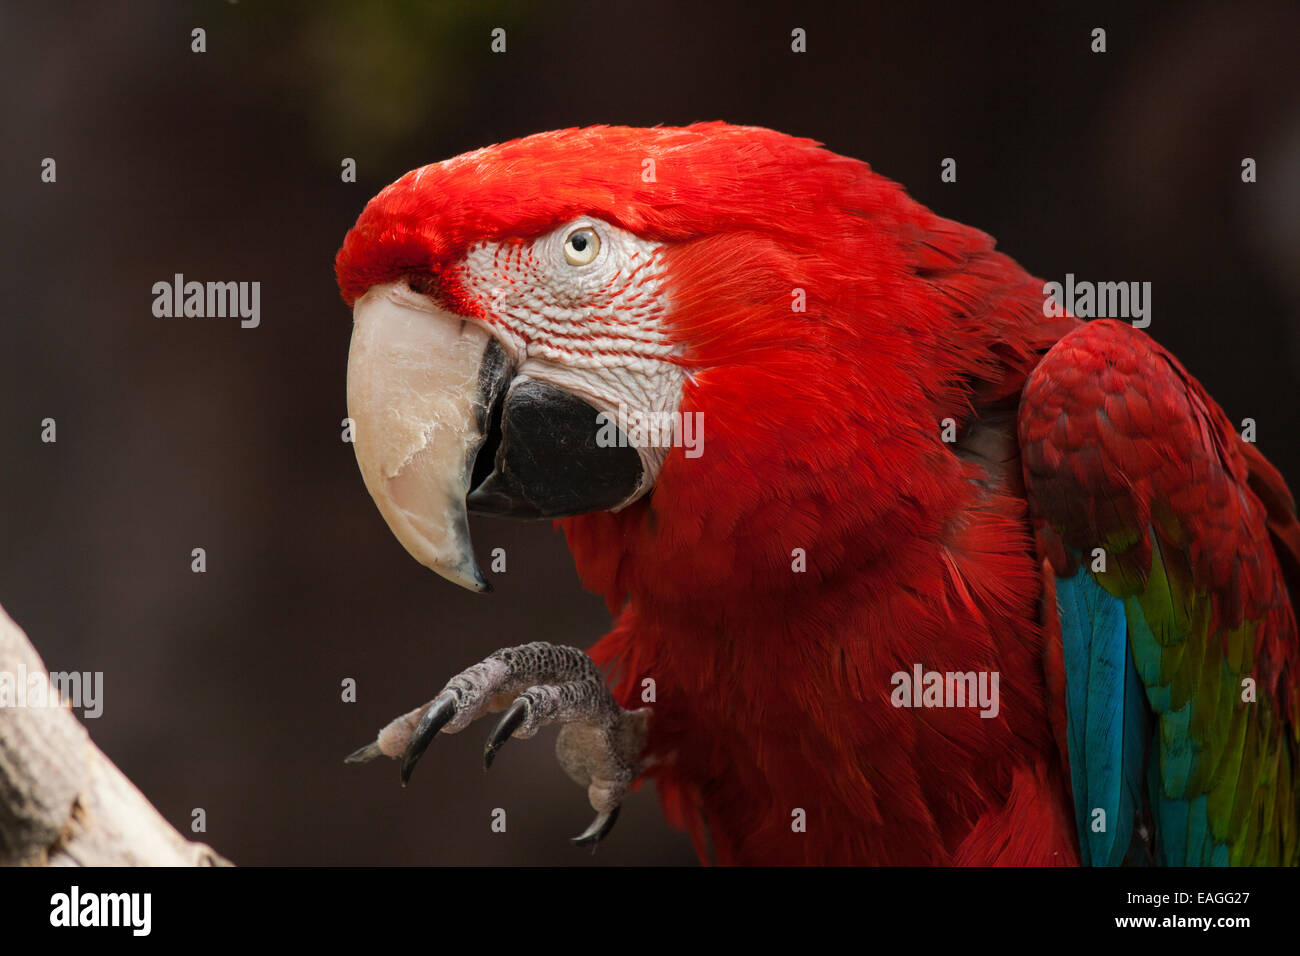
{"points": [[62, 802]]}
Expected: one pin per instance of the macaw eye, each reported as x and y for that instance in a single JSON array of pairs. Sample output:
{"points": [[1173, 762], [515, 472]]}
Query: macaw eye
{"points": [[581, 246]]}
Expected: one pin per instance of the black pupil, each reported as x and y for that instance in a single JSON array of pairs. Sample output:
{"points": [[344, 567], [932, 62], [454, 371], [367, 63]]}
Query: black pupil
{"points": [[579, 242]]}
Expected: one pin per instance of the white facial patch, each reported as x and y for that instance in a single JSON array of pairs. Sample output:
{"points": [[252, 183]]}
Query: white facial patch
{"points": [[594, 330]]}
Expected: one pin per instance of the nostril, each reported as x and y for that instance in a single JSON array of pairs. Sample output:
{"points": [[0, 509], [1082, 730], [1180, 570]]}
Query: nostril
{"points": [[419, 283]]}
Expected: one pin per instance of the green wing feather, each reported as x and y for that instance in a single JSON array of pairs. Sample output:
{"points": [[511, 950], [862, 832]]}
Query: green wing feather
{"points": [[1123, 451]]}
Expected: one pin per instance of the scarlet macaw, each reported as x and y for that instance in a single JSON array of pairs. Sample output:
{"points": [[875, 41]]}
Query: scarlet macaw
{"points": [[909, 465]]}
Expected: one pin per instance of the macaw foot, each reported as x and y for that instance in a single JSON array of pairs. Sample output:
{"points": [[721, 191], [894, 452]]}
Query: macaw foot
{"points": [[537, 684]]}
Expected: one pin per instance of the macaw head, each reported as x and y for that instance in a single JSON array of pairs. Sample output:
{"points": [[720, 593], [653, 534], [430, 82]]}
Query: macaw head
{"points": [[671, 331]]}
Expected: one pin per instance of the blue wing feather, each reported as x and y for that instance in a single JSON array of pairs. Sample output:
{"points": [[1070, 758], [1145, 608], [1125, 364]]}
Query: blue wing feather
{"points": [[1108, 722]]}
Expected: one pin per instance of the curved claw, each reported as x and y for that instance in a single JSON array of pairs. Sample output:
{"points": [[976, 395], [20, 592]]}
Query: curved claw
{"points": [[598, 830], [364, 754], [510, 721], [435, 718]]}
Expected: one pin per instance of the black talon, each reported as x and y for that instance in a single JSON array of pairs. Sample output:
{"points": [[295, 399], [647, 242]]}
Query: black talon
{"points": [[510, 721], [364, 754], [433, 720], [598, 830]]}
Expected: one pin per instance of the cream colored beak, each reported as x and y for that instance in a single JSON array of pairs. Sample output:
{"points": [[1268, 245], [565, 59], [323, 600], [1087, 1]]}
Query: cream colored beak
{"points": [[420, 407]]}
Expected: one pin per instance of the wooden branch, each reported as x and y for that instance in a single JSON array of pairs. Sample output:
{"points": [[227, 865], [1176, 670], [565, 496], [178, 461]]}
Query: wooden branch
{"points": [[62, 802]]}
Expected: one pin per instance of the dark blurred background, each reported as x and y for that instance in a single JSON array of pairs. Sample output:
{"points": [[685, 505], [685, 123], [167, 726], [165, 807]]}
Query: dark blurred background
{"points": [[222, 689]]}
